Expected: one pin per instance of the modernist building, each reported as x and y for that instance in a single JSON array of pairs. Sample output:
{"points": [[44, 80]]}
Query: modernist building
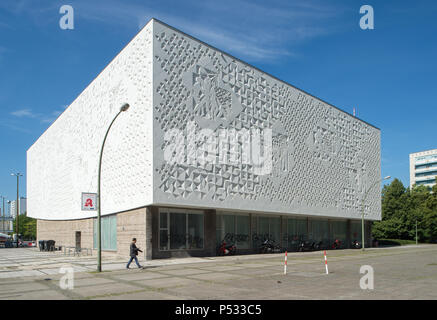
{"points": [[165, 181], [423, 168]]}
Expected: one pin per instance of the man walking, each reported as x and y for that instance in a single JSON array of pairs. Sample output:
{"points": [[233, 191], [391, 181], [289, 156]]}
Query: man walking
{"points": [[133, 253]]}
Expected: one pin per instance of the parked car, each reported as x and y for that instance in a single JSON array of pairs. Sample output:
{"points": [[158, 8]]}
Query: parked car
{"points": [[27, 244]]}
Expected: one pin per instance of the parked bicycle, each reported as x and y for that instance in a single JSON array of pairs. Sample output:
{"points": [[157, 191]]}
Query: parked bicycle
{"points": [[269, 246]]}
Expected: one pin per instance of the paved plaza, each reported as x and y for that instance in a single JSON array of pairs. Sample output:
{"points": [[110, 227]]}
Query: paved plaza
{"points": [[408, 272]]}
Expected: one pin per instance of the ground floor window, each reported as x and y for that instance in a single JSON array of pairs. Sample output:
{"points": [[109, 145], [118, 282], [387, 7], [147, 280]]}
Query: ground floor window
{"points": [[268, 228], [108, 232], [233, 229], [297, 230], [319, 232], [339, 232], [356, 231], [179, 230]]}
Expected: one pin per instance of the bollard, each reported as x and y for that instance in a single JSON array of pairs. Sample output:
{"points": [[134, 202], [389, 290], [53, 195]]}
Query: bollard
{"points": [[285, 264], [326, 263]]}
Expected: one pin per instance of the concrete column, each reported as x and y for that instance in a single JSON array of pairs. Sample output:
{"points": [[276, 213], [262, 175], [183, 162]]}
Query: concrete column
{"points": [[368, 231], [148, 223], [254, 232], [154, 239], [210, 232]]}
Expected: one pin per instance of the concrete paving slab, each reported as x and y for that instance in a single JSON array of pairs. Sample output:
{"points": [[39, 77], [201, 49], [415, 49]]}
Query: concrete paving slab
{"points": [[256, 271], [206, 291], [167, 282], [184, 271], [49, 271], [102, 289], [36, 295], [143, 295], [140, 276], [116, 266], [21, 273], [95, 281], [216, 277], [21, 287], [221, 268]]}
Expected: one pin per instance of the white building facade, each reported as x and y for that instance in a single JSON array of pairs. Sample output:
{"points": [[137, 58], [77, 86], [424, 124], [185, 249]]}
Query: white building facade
{"points": [[423, 168], [211, 148]]}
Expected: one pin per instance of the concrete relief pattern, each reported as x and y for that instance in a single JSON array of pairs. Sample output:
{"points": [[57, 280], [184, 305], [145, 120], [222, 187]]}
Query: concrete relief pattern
{"points": [[63, 163], [323, 158]]}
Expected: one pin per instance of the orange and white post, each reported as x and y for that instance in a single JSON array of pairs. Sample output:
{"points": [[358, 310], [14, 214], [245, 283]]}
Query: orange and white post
{"points": [[326, 263], [285, 263]]}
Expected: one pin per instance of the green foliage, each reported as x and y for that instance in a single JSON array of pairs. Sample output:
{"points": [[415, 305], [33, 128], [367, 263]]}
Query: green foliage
{"points": [[402, 207], [394, 242], [26, 227]]}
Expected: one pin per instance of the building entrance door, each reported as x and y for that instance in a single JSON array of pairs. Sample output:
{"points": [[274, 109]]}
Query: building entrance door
{"points": [[78, 239]]}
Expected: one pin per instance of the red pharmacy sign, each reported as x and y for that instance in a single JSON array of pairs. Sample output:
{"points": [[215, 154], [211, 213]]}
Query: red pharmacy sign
{"points": [[89, 201]]}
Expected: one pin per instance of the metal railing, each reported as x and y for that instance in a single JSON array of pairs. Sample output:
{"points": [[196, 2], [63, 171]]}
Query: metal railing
{"points": [[77, 251]]}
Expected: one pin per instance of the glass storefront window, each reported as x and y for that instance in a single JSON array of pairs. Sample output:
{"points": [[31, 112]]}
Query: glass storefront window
{"points": [[243, 232], [356, 231], [275, 229], [296, 232], [228, 228], [268, 228], [338, 232], [263, 228], [108, 232], [320, 232], [180, 230], [233, 229], [195, 231], [163, 231]]}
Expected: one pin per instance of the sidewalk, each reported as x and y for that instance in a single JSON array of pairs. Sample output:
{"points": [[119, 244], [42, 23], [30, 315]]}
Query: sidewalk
{"points": [[25, 262], [407, 272]]}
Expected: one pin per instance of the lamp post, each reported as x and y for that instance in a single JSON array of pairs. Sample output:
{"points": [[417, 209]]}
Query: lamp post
{"points": [[10, 204], [123, 108], [18, 175], [362, 209], [416, 232], [3, 214]]}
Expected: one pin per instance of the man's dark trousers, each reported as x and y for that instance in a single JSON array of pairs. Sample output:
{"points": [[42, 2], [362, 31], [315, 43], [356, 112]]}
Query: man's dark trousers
{"points": [[130, 260]]}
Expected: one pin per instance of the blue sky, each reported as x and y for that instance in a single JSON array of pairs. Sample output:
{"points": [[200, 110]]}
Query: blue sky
{"points": [[388, 74]]}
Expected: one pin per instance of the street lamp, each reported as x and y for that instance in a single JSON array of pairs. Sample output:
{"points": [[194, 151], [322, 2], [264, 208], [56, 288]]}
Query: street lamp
{"points": [[123, 108], [362, 209], [18, 175], [4, 214]]}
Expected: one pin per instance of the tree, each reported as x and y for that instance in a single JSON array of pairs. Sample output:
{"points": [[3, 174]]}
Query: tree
{"points": [[402, 208], [26, 226]]}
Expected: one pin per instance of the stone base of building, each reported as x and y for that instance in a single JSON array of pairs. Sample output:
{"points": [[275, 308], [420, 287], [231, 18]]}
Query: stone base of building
{"points": [[81, 233], [177, 232]]}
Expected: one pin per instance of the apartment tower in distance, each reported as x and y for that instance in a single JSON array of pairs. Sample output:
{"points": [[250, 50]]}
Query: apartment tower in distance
{"points": [[423, 168]]}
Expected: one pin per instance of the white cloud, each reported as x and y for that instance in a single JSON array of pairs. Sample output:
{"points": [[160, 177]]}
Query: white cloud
{"points": [[53, 116], [248, 30], [27, 113], [43, 118]]}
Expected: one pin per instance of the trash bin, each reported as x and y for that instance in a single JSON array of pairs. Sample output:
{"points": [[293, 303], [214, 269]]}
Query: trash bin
{"points": [[45, 245], [50, 245], [41, 245]]}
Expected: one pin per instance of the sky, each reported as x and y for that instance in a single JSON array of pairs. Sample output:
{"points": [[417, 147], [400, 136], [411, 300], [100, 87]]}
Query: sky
{"points": [[388, 74]]}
